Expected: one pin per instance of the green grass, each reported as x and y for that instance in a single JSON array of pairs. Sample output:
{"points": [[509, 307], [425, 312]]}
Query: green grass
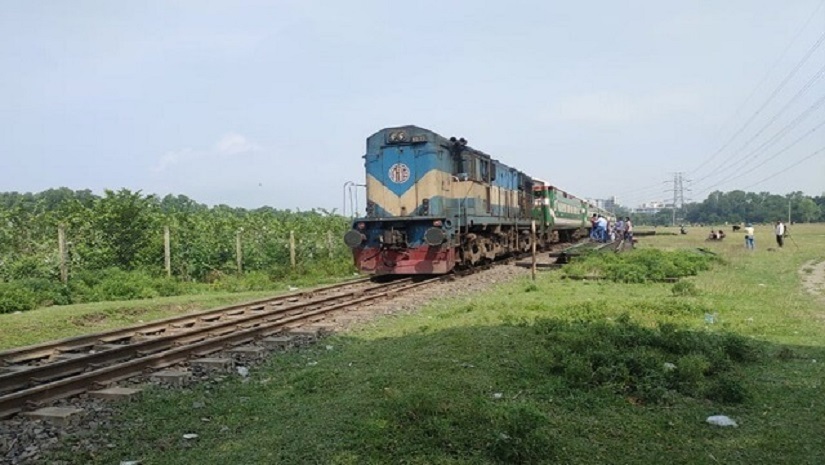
{"points": [[58, 322], [546, 372]]}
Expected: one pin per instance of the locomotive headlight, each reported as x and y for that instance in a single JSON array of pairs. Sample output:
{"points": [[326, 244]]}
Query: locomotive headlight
{"points": [[398, 136], [434, 236], [354, 238]]}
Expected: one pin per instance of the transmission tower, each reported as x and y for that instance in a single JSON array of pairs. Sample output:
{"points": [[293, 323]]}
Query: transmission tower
{"points": [[678, 194]]}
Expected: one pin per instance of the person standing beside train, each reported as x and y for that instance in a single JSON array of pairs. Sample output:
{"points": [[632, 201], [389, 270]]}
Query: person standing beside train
{"points": [[602, 228], [594, 232]]}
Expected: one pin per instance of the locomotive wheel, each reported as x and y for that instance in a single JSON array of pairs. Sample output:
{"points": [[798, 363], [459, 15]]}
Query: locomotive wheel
{"points": [[472, 253], [488, 248]]}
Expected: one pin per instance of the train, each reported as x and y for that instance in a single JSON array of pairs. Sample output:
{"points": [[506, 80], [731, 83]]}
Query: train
{"points": [[435, 204]]}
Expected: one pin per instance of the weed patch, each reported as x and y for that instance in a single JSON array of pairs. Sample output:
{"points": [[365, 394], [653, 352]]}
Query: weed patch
{"points": [[684, 289], [640, 266], [650, 365]]}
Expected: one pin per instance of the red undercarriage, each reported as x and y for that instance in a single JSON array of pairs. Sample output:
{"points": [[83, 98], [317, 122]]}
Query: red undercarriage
{"points": [[421, 260]]}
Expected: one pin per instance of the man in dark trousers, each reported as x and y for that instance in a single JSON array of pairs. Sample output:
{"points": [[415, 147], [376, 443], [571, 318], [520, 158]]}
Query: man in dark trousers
{"points": [[779, 229]]}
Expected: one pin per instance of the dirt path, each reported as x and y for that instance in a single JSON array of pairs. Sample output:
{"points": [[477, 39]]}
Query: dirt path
{"points": [[813, 278]]}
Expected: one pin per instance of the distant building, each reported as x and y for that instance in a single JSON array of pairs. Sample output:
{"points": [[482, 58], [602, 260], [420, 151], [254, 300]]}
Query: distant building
{"points": [[607, 204], [653, 207]]}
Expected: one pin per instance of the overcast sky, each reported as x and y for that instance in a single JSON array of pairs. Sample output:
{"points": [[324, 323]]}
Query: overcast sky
{"points": [[253, 103]]}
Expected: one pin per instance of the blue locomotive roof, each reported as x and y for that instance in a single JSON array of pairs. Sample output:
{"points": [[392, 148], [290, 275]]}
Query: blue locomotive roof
{"points": [[417, 135]]}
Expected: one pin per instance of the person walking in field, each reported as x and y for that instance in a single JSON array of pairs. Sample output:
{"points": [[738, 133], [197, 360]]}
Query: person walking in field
{"points": [[749, 242], [779, 229]]}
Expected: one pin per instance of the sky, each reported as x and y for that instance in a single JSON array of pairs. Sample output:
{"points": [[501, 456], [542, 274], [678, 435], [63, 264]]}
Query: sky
{"points": [[253, 103]]}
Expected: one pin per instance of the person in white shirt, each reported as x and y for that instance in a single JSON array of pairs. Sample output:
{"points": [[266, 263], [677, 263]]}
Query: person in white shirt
{"points": [[779, 229], [601, 224], [749, 242]]}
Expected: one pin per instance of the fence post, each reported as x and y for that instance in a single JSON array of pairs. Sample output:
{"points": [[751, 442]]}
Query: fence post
{"points": [[239, 251], [61, 250], [533, 241], [167, 252], [330, 243], [292, 248]]}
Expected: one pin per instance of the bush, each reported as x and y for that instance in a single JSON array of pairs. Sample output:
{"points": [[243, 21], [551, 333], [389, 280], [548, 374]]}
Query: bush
{"points": [[31, 267], [641, 266], [684, 289], [47, 291], [652, 365], [252, 281], [121, 285], [16, 298]]}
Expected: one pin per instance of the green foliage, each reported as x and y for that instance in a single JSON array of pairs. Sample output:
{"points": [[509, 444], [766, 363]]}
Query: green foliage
{"points": [[253, 281], [641, 265], [16, 298], [648, 365], [123, 230], [738, 206], [762, 207], [47, 291], [685, 288]]}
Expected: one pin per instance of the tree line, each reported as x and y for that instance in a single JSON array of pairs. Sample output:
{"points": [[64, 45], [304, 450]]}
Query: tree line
{"points": [[121, 233], [738, 206]]}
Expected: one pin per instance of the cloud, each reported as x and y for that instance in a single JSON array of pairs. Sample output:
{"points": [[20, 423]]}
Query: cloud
{"points": [[620, 108], [229, 145], [235, 144]]}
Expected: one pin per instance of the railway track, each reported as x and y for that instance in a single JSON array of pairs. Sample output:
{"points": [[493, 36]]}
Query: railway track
{"points": [[39, 374], [35, 375]]}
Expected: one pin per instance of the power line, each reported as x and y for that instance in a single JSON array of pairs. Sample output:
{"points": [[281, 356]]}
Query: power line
{"points": [[780, 152], [817, 152], [761, 82], [743, 161], [808, 85], [770, 98]]}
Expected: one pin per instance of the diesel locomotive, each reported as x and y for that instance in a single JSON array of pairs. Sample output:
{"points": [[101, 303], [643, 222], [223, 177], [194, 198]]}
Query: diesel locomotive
{"points": [[435, 203]]}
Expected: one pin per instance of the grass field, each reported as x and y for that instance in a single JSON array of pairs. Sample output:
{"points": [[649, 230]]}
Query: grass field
{"points": [[553, 372]]}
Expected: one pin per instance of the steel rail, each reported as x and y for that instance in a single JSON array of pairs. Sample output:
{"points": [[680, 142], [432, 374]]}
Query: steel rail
{"points": [[73, 344], [18, 401], [24, 378]]}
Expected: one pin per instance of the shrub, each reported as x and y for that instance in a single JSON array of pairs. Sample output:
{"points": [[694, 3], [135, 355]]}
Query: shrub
{"points": [[641, 266], [684, 289], [31, 266], [651, 365], [47, 291], [16, 298], [252, 281], [122, 285]]}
